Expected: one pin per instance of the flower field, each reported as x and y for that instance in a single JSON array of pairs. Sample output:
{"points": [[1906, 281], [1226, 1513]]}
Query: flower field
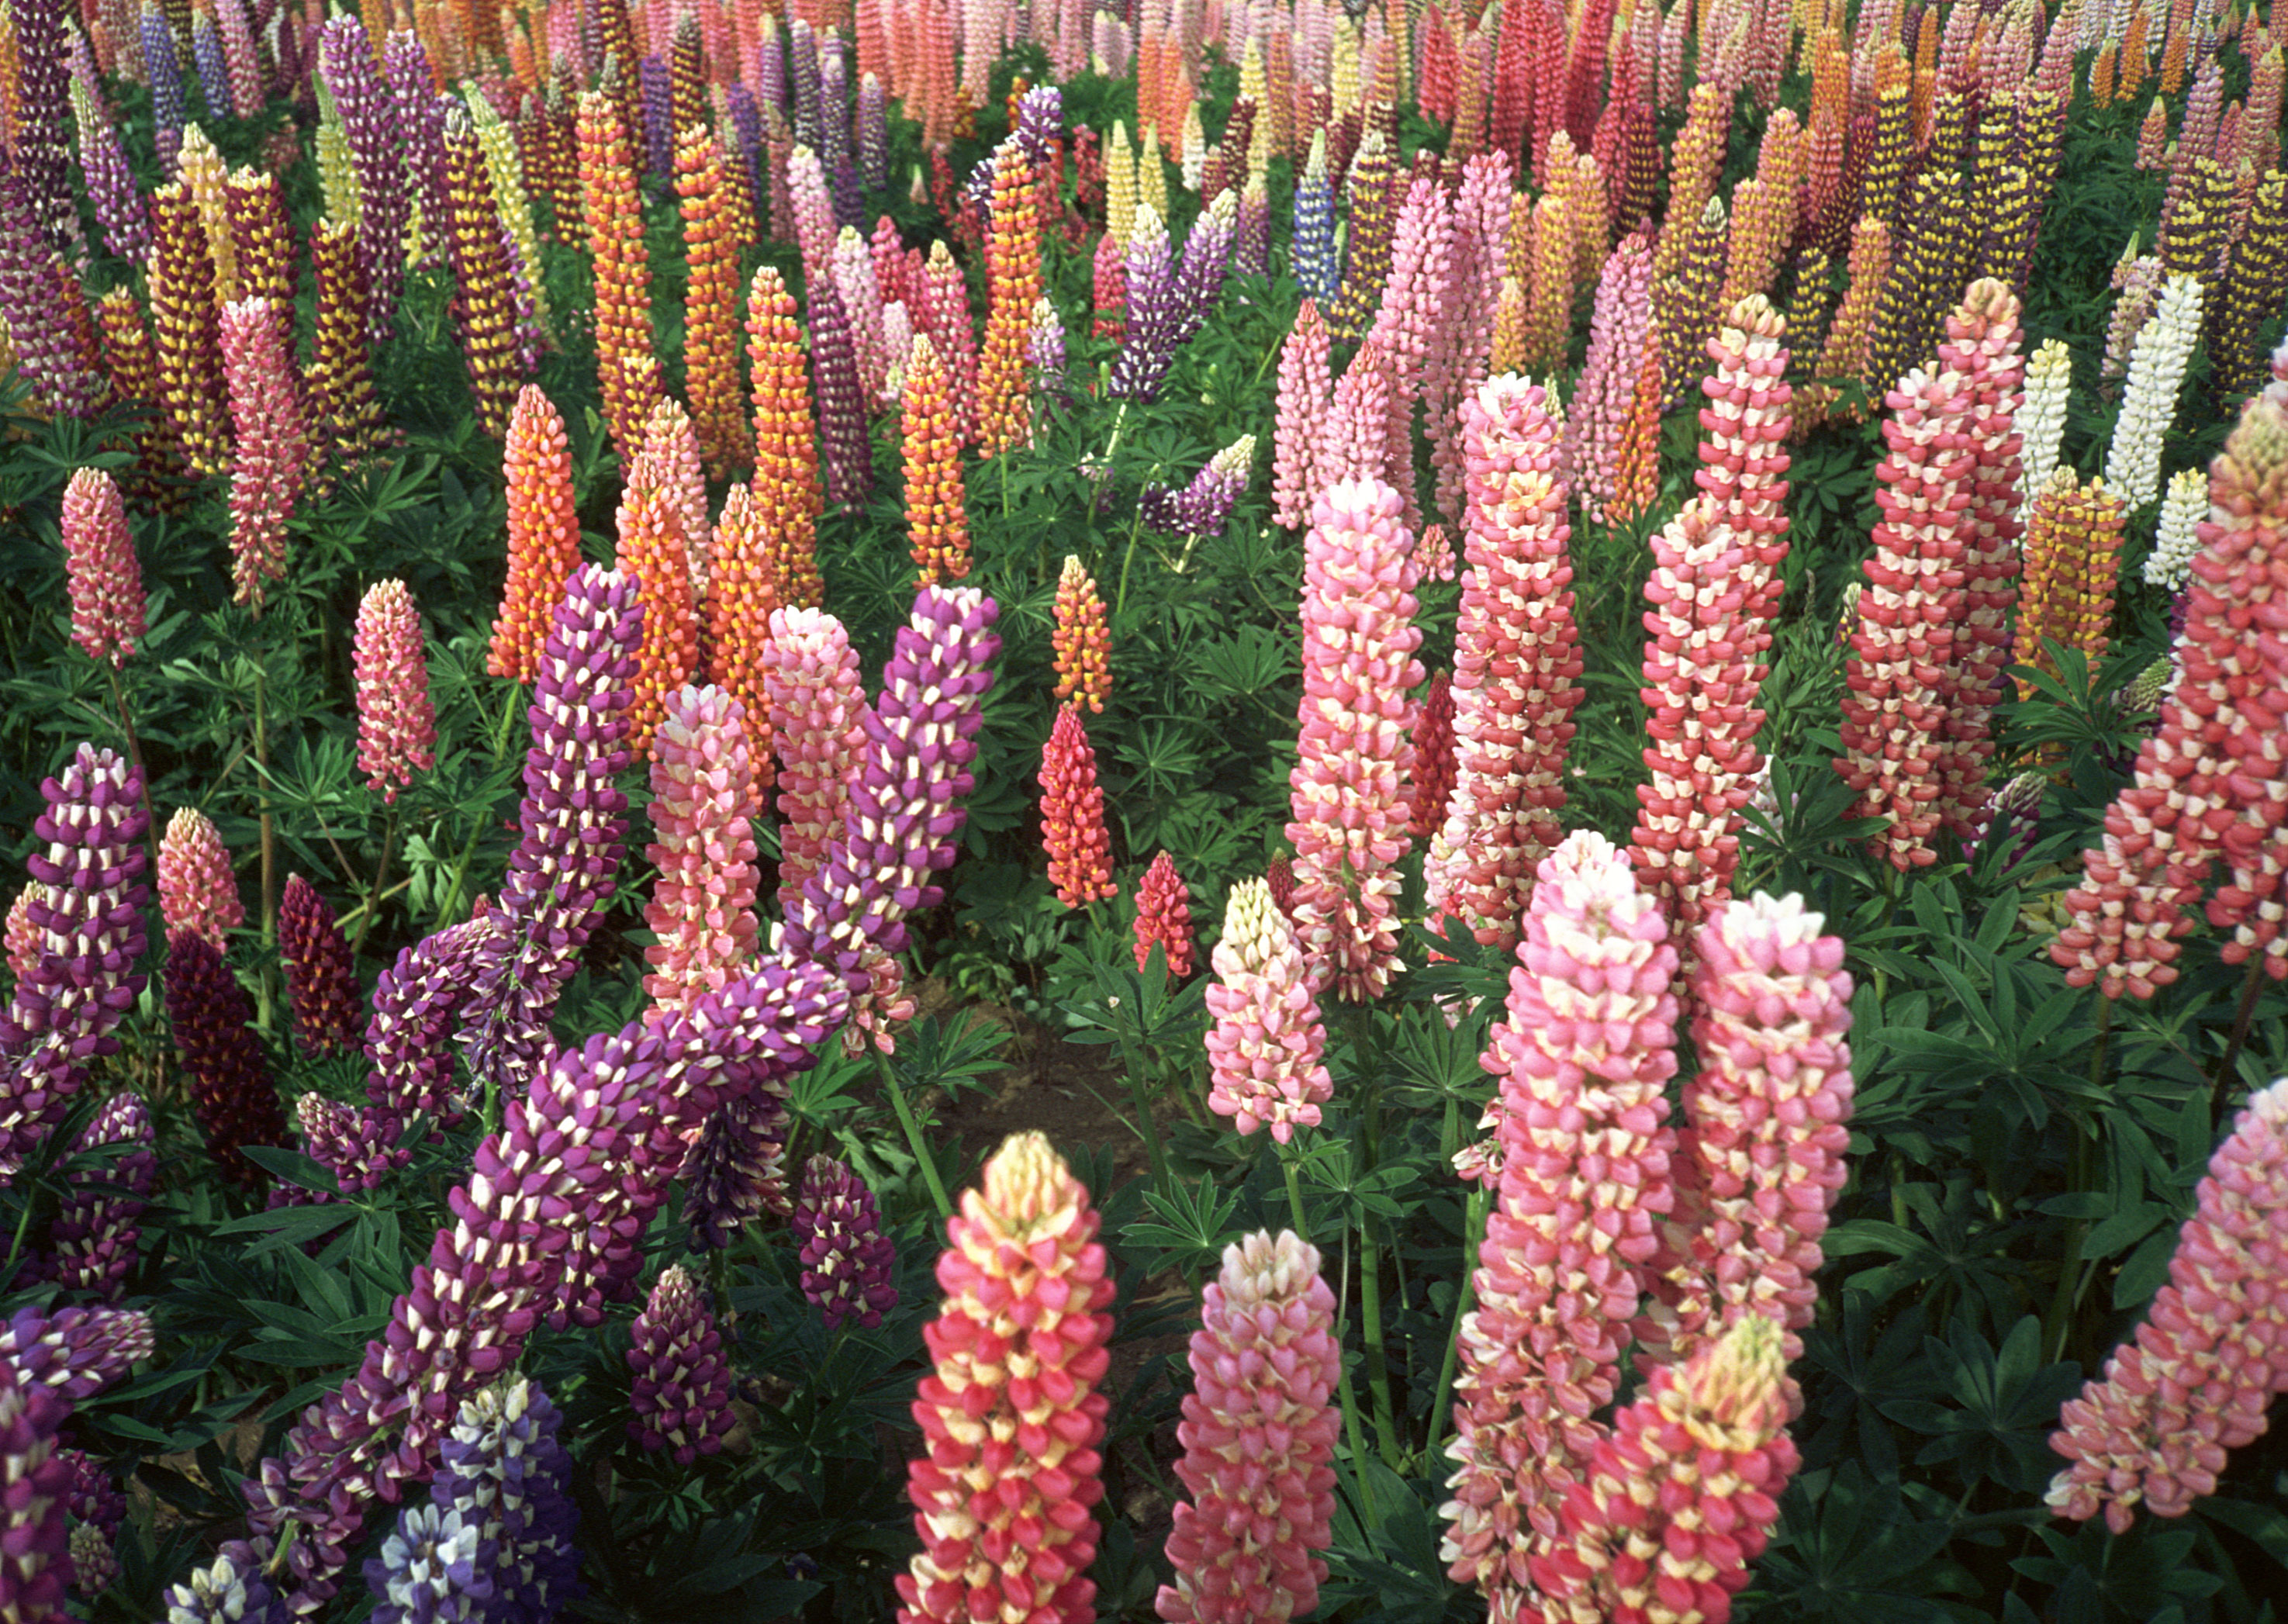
{"points": [[1206, 810]]}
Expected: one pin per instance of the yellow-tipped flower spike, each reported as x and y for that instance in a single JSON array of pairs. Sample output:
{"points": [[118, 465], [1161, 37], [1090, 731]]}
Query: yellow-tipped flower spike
{"points": [[711, 302], [936, 522]]}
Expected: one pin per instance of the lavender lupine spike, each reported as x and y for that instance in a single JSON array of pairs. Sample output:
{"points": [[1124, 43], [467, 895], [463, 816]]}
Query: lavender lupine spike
{"points": [[228, 1590], [92, 1245], [212, 66], [846, 450], [735, 1170], [165, 75], [78, 1352], [428, 1572], [802, 81], [120, 215], [1206, 261], [421, 124], [906, 806], [348, 68], [1150, 292], [682, 1390], [505, 1474], [89, 918], [1317, 262], [574, 824], [323, 991], [34, 1481], [551, 1216], [849, 1267]]}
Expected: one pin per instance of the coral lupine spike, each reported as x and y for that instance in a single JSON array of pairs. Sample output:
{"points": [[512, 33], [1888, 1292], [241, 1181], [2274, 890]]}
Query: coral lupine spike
{"points": [[397, 725], [544, 535], [710, 302], [1164, 916], [655, 552], [742, 595], [788, 499], [106, 587], [197, 891], [1012, 285], [1082, 643], [810, 677], [1259, 1438], [1264, 1047], [1072, 814], [272, 451], [702, 904], [1005, 1493], [936, 520], [627, 366]]}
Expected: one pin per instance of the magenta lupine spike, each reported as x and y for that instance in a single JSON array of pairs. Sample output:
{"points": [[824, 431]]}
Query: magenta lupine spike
{"points": [[552, 1214], [1517, 662], [333, 1136], [351, 69], [107, 586], [572, 822], [1599, 411], [228, 1076], [1761, 1155], [89, 920], [76, 1352], [810, 675], [197, 891], [1684, 1493], [1349, 822], [1164, 916], [702, 904], [907, 805], [1461, 348], [271, 452], [848, 1265], [92, 1245], [2196, 1381], [1305, 402], [41, 148], [397, 725], [1410, 322], [1582, 1055], [324, 994], [836, 385], [418, 1003], [1264, 1047], [241, 62], [35, 1482], [735, 1170], [682, 1391], [45, 312], [1259, 1439]]}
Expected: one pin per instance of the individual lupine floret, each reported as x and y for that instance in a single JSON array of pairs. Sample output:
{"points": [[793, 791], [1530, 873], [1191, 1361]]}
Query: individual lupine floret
{"points": [[810, 677], [1582, 1055], [1164, 916], [2176, 536], [1082, 643], [702, 902], [2196, 1381], [1072, 815], [1259, 1439], [2149, 401], [1684, 1493], [1004, 1495], [327, 1007], [89, 919], [272, 451], [848, 1265], [786, 489], [106, 587], [92, 1245], [1304, 398], [1349, 817], [544, 535], [1265, 1046], [229, 1077], [397, 724], [936, 520], [682, 1392]]}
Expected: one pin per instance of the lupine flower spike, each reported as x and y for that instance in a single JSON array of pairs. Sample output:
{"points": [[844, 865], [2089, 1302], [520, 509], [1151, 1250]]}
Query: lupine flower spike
{"points": [[1164, 916], [544, 535], [230, 1086], [1004, 1493], [328, 1007], [272, 452], [1072, 815], [1264, 1049], [682, 1394], [702, 904], [197, 892], [106, 587], [397, 725], [848, 1265], [1083, 644], [1259, 1439]]}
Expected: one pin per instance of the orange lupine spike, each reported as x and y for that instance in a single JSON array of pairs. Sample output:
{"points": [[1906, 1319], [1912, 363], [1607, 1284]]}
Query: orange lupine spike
{"points": [[544, 535], [935, 518], [739, 599], [710, 302], [788, 500]]}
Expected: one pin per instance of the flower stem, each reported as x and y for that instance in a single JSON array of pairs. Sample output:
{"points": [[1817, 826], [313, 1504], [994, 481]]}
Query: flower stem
{"points": [[373, 894], [142, 775], [1473, 1229], [2073, 1270], [2221, 1081], [915, 1143]]}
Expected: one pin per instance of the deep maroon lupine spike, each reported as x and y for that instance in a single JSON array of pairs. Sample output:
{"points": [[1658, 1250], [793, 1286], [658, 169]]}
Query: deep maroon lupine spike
{"points": [[230, 1091], [317, 979], [847, 452]]}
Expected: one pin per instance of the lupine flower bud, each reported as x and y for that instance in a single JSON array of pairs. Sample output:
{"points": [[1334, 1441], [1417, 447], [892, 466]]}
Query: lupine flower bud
{"points": [[397, 725], [95, 1568], [1072, 814], [1258, 1436], [107, 588], [702, 904], [230, 1086], [1083, 644], [682, 1395], [327, 1007], [197, 892], [1164, 915], [1264, 1049], [848, 1265], [1004, 1495]]}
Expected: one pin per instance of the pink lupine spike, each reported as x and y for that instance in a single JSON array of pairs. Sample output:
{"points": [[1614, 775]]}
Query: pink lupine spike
{"points": [[2198, 1378], [106, 587], [1300, 430], [1259, 1438], [1350, 820], [271, 456], [1072, 814], [397, 725], [1264, 1049], [810, 673], [1411, 321], [1164, 916], [1583, 1056], [1359, 420], [197, 892], [702, 904], [1005, 1491]]}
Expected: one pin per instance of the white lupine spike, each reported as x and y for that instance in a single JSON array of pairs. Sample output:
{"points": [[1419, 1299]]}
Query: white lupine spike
{"points": [[2149, 401], [2176, 540]]}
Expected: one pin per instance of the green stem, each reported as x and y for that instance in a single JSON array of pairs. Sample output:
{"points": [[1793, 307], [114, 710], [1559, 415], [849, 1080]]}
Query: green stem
{"points": [[16, 1245], [1139, 1095], [1287, 1165], [2220, 1082], [915, 1143], [1474, 1230], [269, 830], [142, 774], [1378, 1362], [1127, 557], [1369, 1516], [373, 894], [2073, 1270], [452, 897]]}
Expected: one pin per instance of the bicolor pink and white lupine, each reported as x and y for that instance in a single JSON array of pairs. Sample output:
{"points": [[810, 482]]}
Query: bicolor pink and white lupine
{"points": [[106, 587], [1354, 759], [810, 675], [1264, 1047], [702, 904], [197, 891], [1300, 429], [270, 453], [397, 725]]}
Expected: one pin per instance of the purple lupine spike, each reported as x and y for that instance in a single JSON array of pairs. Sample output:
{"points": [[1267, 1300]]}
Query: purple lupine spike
{"points": [[43, 112], [1201, 506], [120, 215], [93, 1497], [506, 1474], [428, 1572], [905, 808], [682, 1390], [2013, 818], [734, 1173], [352, 77], [1040, 119], [1155, 312], [554, 1211], [92, 1245], [1045, 346], [849, 1266], [78, 1352], [1251, 254], [88, 918], [802, 78], [834, 105], [848, 453], [35, 1482], [165, 75], [770, 64], [573, 821], [656, 84], [334, 1137], [213, 68], [849, 196], [873, 133], [421, 123], [318, 980], [43, 308], [417, 1005], [230, 1589], [94, 1565], [1206, 262], [747, 125], [232, 1094]]}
